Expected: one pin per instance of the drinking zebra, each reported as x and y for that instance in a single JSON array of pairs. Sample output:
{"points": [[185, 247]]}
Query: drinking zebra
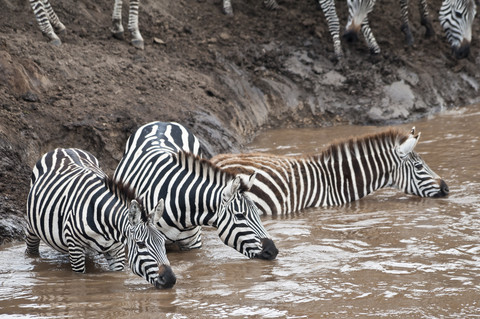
{"points": [[456, 18], [49, 22], [343, 172], [161, 162], [73, 206]]}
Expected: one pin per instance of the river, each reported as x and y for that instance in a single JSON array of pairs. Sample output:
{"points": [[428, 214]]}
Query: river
{"points": [[389, 255]]}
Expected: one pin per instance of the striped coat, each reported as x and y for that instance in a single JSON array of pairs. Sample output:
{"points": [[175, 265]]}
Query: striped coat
{"points": [[343, 172]]}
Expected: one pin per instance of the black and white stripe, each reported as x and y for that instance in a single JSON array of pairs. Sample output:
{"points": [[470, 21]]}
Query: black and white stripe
{"points": [[73, 206], [49, 22], [344, 172], [161, 162], [456, 18]]}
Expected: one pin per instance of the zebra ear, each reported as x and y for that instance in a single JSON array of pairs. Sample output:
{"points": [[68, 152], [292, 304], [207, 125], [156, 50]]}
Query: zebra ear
{"points": [[409, 144], [251, 180], [134, 213], [158, 212], [232, 187]]}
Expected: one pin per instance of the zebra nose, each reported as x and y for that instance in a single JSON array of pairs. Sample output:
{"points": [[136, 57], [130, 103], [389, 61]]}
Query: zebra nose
{"points": [[462, 51], [166, 277], [443, 189], [269, 251]]}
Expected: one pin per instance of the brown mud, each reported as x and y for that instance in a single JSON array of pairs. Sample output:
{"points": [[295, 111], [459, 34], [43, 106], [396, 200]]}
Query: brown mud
{"points": [[224, 77]]}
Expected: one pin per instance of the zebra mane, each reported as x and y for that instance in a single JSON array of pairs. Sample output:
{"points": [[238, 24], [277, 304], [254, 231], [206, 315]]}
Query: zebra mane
{"points": [[391, 137], [125, 193], [188, 159]]}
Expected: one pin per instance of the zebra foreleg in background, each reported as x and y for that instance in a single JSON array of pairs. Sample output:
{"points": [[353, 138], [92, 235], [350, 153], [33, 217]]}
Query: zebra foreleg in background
{"points": [[425, 20], [328, 8], [117, 27], [47, 20]]}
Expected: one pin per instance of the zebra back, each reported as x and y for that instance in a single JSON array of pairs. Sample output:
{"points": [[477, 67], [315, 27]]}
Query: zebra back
{"points": [[345, 171], [73, 206]]}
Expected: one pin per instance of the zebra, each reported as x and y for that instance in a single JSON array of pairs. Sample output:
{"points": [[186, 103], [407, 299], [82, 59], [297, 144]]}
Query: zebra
{"points": [[50, 24], [345, 171], [161, 161], [456, 18], [73, 206]]}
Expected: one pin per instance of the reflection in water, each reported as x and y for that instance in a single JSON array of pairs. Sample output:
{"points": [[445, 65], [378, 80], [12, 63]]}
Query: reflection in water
{"points": [[388, 255]]}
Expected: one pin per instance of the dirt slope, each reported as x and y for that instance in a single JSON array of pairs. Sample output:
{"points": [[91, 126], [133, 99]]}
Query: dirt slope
{"points": [[224, 77]]}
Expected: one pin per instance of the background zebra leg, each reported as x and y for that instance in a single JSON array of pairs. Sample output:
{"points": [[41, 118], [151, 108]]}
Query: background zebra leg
{"points": [[32, 242], [117, 27], [328, 8], [371, 41], [137, 40], [41, 14], [227, 7], [270, 4], [425, 19], [53, 18], [405, 25], [191, 239], [116, 259]]}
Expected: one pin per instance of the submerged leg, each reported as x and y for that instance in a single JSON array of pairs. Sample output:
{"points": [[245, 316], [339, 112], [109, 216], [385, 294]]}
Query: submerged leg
{"points": [[137, 40], [116, 259], [32, 241], [405, 27], [76, 256], [117, 27], [328, 8], [42, 16]]}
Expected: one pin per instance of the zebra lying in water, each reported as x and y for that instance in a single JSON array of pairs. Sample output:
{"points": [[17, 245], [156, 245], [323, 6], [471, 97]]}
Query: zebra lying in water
{"points": [[50, 23], [345, 171], [160, 161], [456, 18], [73, 206]]}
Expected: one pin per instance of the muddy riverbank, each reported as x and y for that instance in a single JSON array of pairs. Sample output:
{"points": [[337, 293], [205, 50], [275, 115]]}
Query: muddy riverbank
{"points": [[225, 77]]}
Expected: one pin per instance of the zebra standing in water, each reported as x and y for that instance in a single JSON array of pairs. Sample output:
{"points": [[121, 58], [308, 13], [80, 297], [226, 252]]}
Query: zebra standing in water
{"points": [[456, 18], [160, 162], [73, 206], [49, 22], [344, 172]]}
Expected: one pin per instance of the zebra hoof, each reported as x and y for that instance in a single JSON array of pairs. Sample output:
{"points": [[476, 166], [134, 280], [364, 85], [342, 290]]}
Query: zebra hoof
{"points": [[227, 10], [139, 44], [118, 35], [56, 42]]}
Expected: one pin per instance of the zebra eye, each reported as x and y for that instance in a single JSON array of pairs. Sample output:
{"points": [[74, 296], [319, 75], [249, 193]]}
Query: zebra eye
{"points": [[458, 14], [141, 244], [240, 216], [418, 166]]}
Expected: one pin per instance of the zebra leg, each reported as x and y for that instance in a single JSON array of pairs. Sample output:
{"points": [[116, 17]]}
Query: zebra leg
{"points": [[371, 42], [32, 242], [77, 257], [227, 7], [116, 259], [405, 24], [117, 27], [270, 4], [328, 8], [137, 40], [52, 16], [425, 19], [42, 16]]}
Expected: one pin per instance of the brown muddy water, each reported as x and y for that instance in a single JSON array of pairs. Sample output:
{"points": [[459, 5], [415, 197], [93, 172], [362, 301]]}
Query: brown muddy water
{"points": [[389, 255]]}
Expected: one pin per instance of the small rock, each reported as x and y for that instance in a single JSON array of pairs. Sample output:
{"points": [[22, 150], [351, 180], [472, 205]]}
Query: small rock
{"points": [[30, 97]]}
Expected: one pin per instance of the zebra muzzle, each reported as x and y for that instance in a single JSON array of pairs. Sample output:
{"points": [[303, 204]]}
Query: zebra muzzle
{"points": [[166, 278], [269, 250], [444, 190]]}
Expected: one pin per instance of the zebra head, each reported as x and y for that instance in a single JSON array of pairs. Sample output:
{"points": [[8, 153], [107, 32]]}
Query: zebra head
{"points": [[239, 224], [456, 18], [146, 247], [413, 176]]}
